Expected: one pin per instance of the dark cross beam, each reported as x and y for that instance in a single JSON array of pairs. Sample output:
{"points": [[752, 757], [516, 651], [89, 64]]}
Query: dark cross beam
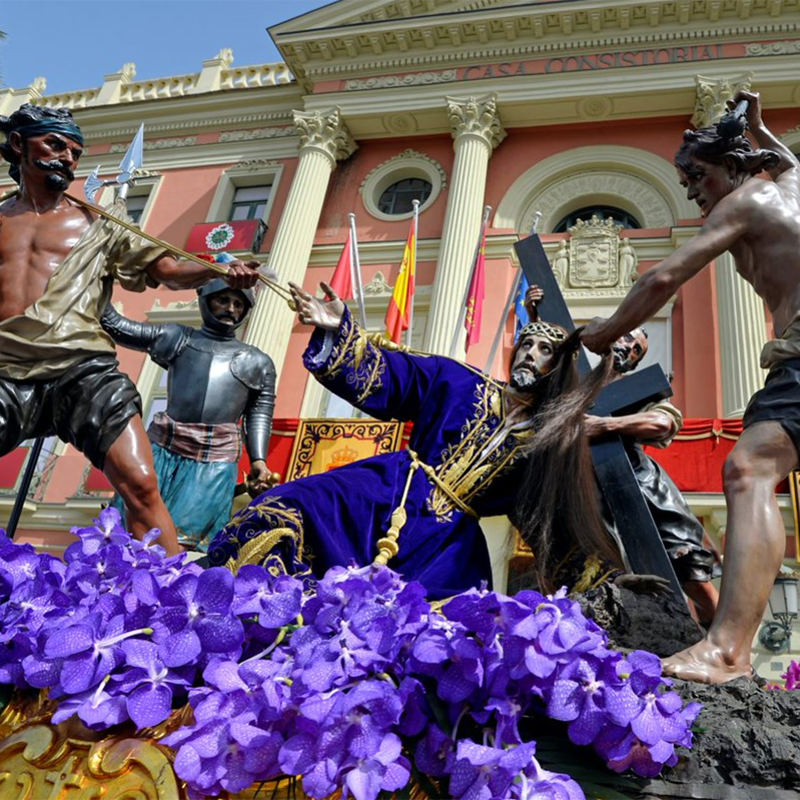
{"points": [[613, 467]]}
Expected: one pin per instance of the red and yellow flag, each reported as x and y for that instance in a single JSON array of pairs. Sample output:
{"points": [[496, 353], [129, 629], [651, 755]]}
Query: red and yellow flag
{"points": [[342, 280], [399, 312], [475, 296]]}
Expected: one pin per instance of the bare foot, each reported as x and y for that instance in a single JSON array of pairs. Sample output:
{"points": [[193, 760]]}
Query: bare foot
{"points": [[704, 662]]}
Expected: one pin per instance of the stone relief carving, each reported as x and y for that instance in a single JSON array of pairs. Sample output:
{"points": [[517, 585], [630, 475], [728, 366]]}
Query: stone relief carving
{"points": [[325, 131], [405, 156], [476, 115], [378, 285], [594, 259], [257, 133], [649, 205], [712, 97], [403, 124], [773, 49], [390, 81], [157, 144], [253, 165]]}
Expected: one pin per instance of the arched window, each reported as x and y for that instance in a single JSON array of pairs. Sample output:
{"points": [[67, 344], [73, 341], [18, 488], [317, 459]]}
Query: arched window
{"points": [[398, 198], [602, 212]]}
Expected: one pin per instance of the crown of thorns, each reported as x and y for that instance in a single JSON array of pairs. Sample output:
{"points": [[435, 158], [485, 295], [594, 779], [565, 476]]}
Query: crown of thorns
{"points": [[551, 332]]}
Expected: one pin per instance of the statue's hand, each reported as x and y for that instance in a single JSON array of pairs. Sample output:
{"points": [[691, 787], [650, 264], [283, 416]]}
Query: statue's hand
{"points": [[595, 338], [326, 314], [242, 274], [644, 584], [753, 109], [533, 297], [595, 427], [259, 479]]}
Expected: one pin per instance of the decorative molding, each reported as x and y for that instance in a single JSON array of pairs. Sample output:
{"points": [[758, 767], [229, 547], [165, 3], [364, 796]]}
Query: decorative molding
{"points": [[407, 155], [712, 97], [773, 49], [630, 192], [257, 133], [253, 165], [402, 124], [476, 116], [595, 108], [392, 81], [325, 131], [156, 144]]}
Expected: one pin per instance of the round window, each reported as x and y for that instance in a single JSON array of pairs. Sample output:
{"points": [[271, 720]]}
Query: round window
{"points": [[399, 197]]}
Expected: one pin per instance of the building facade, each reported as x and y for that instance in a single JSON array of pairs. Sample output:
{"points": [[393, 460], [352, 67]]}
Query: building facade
{"points": [[567, 110]]}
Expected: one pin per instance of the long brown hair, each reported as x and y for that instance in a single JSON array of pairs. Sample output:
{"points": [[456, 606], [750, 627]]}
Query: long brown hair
{"points": [[558, 505]]}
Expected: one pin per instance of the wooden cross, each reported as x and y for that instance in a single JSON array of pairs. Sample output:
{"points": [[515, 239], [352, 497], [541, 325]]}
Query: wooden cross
{"points": [[615, 475]]}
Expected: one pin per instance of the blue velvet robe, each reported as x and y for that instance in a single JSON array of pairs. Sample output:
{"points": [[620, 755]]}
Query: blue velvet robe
{"points": [[336, 518]]}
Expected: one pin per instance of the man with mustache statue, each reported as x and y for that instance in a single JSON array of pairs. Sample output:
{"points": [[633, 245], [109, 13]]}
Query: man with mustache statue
{"points": [[58, 371], [758, 222], [466, 459], [197, 441]]}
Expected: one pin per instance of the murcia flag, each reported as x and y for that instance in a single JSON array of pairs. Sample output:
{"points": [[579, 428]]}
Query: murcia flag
{"points": [[399, 312], [477, 291], [342, 280]]}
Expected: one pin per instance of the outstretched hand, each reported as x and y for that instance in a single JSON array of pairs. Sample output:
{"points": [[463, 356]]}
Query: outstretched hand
{"points": [[326, 314]]}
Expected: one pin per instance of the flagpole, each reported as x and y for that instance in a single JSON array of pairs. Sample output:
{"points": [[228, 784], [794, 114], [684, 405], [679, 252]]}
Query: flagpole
{"points": [[509, 302], [413, 266], [356, 266], [463, 313]]}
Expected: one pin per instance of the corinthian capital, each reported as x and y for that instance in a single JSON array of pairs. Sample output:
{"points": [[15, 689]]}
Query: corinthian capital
{"points": [[476, 116], [325, 131], [712, 96]]}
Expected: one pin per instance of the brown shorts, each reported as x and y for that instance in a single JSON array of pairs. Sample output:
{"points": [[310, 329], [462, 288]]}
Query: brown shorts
{"points": [[88, 407]]}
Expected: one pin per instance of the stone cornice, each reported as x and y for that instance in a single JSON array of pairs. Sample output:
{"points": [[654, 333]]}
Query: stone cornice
{"points": [[486, 33]]}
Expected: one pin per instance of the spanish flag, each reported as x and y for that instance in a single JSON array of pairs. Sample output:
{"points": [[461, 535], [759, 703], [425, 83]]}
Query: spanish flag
{"points": [[475, 295], [398, 314]]}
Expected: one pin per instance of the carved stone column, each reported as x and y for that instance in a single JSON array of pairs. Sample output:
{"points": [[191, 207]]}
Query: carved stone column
{"points": [[324, 140], [742, 334], [477, 130]]}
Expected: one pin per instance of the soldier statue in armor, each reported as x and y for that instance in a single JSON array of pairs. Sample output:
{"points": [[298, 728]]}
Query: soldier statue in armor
{"points": [[197, 441]]}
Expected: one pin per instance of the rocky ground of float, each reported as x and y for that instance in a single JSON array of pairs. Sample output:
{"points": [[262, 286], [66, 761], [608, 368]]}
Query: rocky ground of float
{"points": [[747, 740]]}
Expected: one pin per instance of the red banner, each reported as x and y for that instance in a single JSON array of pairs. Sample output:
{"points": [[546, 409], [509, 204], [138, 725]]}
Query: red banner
{"points": [[214, 237]]}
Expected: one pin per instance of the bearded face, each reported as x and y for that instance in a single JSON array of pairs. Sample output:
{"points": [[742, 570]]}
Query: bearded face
{"points": [[533, 359], [629, 350]]}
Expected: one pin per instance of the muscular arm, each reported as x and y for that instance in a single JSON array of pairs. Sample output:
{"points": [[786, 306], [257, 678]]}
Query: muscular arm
{"points": [[766, 139], [724, 226], [174, 274], [648, 426]]}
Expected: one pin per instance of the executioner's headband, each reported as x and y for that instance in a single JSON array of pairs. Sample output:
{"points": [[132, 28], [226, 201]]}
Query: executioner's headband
{"points": [[42, 127], [551, 332]]}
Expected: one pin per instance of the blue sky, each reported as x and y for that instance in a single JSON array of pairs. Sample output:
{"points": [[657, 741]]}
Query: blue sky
{"points": [[73, 43]]}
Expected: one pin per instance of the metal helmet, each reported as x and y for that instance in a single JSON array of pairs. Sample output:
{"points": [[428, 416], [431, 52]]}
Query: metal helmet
{"points": [[208, 290]]}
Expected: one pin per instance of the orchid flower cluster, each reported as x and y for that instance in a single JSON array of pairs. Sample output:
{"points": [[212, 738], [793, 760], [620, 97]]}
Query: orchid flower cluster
{"points": [[358, 685]]}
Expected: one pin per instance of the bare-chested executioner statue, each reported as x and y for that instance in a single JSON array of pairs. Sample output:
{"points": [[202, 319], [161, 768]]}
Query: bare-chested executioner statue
{"points": [[758, 221], [58, 371]]}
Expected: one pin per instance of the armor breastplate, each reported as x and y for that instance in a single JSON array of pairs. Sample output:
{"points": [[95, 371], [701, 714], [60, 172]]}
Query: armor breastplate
{"points": [[202, 387]]}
